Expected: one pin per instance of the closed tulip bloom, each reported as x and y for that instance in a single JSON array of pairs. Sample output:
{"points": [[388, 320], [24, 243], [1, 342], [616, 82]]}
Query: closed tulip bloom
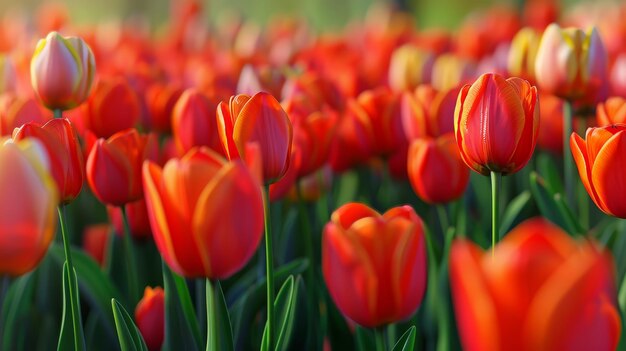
{"points": [[193, 122], [27, 206], [450, 71], [374, 265], [522, 54], [62, 71], [540, 290], [150, 317], [571, 63], [63, 150], [114, 167], [409, 67], [612, 111], [160, 101], [114, 106], [206, 213], [601, 161], [257, 119], [428, 112], [96, 240], [18, 110], [496, 122], [428, 160]]}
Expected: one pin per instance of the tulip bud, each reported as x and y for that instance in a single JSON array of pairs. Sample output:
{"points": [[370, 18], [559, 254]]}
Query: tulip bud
{"points": [[496, 122], [430, 158], [17, 110], [258, 119], [522, 54], [160, 100], [571, 63], [538, 290], [63, 150], [62, 71], [96, 240], [193, 122], [374, 265], [114, 106], [612, 111], [150, 317], [28, 203], [409, 67]]}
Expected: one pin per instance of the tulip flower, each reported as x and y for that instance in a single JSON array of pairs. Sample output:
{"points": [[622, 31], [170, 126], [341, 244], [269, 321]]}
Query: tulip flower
{"points": [[63, 150], [540, 290], [496, 124], [354, 138], [601, 161], [17, 110], [612, 111], [193, 122], [428, 159], [27, 206], [150, 317], [257, 119], [160, 101], [138, 221], [428, 112], [114, 167], [521, 60], [374, 265], [114, 106], [96, 240], [450, 71], [195, 205], [409, 67], [62, 71], [571, 63]]}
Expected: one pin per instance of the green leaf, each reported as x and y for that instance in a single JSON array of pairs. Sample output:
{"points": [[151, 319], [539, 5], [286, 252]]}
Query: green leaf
{"points": [[552, 205], [284, 305], [223, 325], [246, 307], [513, 212], [406, 341], [127, 332], [17, 302], [546, 166], [347, 188], [66, 335], [364, 339], [181, 326]]}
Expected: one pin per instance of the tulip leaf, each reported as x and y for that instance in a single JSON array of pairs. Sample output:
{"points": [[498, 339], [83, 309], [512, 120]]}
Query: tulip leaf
{"points": [[127, 332], [513, 212], [223, 325], [181, 326], [284, 305], [348, 186], [17, 301], [406, 341], [67, 339], [245, 308], [548, 170], [95, 286], [552, 206], [364, 339]]}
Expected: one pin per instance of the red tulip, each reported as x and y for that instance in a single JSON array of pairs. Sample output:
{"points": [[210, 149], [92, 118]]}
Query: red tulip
{"points": [[96, 240], [62, 71], [354, 138], [374, 265], [540, 290], [150, 317], [193, 122], [63, 150], [496, 122], [27, 206], [601, 161], [428, 160], [196, 205], [138, 221], [114, 167], [114, 106], [257, 119], [160, 101], [428, 112], [16, 110]]}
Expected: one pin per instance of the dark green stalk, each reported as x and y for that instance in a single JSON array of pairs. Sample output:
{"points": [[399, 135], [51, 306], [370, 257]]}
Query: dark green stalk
{"points": [[496, 180], [269, 269], [133, 290]]}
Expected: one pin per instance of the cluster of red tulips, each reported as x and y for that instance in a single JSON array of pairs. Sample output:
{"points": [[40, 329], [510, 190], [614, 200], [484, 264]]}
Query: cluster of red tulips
{"points": [[272, 188]]}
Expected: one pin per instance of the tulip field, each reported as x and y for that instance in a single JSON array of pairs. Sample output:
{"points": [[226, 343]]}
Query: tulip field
{"points": [[383, 186]]}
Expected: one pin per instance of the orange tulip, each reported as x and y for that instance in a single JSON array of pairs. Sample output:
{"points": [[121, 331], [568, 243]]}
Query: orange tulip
{"points": [[612, 111], [496, 122], [113, 107], [601, 161], [27, 206], [430, 158], [63, 150], [428, 112], [353, 142], [114, 167], [257, 119], [540, 290], [374, 265], [16, 110], [196, 205], [193, 122], [150, 317], [62, 71], [160, 101]]}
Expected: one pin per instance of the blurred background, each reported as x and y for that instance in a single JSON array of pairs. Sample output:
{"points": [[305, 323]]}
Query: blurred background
{"points": [[320, 14]]}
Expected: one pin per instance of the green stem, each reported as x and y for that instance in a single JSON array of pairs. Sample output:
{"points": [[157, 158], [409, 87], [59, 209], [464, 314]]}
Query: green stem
{"points": [[211, 317], [443, 218], [269, 269], [201, 303], [5, 280], [379, 339], [74, 294], [312, 301], [58, 113], [496, 179], [568, 162], [133, 290]]}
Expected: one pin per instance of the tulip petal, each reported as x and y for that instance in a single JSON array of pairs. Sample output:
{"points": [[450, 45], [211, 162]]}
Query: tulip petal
{"points": [[347, 214], [609, 177], [580, 154]]}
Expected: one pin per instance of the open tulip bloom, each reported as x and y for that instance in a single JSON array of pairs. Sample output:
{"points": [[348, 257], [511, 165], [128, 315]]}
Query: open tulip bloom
{"points": [[227, 185]]}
